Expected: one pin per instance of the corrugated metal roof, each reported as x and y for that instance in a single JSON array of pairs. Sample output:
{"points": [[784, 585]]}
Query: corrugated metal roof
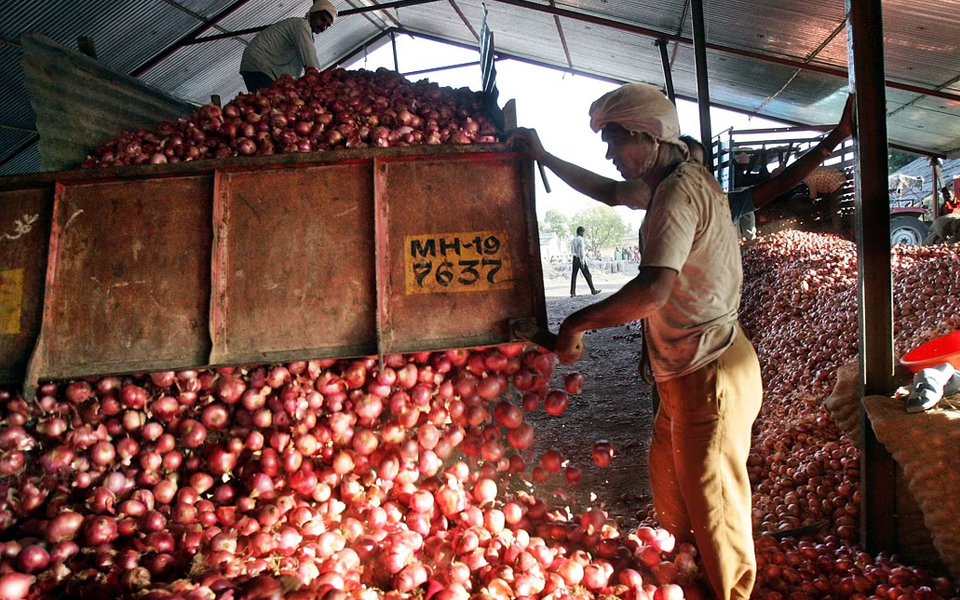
{"points": [[11, 140], [921, 167], [14, 102], [27, 161], [922, 49]]}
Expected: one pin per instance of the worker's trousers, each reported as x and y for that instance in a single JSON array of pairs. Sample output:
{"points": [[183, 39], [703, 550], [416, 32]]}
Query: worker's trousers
{"points": [[698, 464], [579, 265]]}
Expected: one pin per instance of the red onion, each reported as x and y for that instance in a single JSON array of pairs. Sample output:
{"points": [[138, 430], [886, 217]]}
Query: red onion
{"points": [[100, 530], [15, 586]]}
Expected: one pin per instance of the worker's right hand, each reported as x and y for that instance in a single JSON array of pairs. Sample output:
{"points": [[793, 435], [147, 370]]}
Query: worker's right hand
{"points": [[527, 142], [569, 346]]}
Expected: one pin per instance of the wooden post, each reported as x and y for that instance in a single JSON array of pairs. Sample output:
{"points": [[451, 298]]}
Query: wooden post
{"points": [[703, 86], [667, 73], [866, 76]]}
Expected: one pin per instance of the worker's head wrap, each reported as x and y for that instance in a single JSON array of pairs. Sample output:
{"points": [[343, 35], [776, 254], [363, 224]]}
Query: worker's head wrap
{"points": [[639, 108], [326, 6]]}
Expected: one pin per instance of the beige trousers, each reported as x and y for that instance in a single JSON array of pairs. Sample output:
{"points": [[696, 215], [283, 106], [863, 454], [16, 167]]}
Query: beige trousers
{"points": [[698, 464]]}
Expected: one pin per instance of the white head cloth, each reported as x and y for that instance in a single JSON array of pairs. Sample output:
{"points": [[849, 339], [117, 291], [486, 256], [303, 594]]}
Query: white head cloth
{"points": [[324, 5], [638, 108]]}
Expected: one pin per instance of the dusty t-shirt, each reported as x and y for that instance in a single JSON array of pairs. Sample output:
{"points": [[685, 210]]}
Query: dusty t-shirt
{"points": [[688, 228], [284, 47]]}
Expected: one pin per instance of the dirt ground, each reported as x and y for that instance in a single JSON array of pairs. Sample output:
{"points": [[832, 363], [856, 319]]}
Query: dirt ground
{"points": [[615, 404]]}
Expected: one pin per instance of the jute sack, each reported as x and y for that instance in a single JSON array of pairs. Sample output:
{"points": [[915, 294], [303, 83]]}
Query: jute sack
{"points": [[927, 447], [844, 402]]}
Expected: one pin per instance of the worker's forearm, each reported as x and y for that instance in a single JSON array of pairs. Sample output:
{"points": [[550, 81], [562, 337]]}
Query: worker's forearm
{"points": [[586, 182], [636, 300], [797, 171], [786, 180]]}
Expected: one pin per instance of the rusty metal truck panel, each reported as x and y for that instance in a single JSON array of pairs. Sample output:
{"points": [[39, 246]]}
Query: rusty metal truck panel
{"points": [[128, 277], [296, 270], [24, 233], [266, 259], [460, 256]]}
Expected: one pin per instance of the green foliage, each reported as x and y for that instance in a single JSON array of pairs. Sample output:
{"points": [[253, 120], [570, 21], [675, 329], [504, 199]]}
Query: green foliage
{"points": [[605, 227], [896, 160], [556, 222]]}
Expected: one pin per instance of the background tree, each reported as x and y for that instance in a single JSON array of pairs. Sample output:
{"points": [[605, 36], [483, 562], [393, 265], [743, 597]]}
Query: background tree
{"points": [[604, 227], [556, 222], [896, 160]]}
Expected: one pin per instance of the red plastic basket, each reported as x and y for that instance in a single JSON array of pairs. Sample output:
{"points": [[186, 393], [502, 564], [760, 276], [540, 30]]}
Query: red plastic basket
{"points": [[943, 349]]}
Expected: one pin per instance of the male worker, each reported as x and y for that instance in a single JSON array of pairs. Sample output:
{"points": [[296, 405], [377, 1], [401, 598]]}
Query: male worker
{"points": [[688, 290], [945, 230], [285, 47], [745, 201], [950, 204], [580, 264]]}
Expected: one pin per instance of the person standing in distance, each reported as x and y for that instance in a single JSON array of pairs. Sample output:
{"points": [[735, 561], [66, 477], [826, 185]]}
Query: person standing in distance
{"points": [[688, 291], [580, 264], [286, 47]]}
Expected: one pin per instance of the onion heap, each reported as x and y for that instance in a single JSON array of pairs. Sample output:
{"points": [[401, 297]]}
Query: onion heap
{"points": [[800, 305], [414, 478], [319, 479], [320, 111]]}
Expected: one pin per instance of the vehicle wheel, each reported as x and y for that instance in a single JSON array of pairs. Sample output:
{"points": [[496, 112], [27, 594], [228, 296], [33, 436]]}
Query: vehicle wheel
{"points": [[908, 231]]}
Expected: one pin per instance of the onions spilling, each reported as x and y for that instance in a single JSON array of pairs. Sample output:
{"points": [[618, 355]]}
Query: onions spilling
{"points": [[415, 476]]}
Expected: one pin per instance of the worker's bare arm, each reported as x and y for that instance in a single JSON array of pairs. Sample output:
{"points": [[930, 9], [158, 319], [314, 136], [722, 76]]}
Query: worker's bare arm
{"points": [[767, 191], [588, 183]]}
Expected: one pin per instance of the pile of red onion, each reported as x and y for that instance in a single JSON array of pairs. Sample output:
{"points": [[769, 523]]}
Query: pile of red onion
{"points": [[320, 111], [414, 477], [320, 479], [799, 303]]}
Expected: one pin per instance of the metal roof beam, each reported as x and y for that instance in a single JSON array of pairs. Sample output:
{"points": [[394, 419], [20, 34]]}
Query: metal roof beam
{"points": [[15, 128], [375, 6], [196, 16], [19, 149], [190, 36], [787, 62], [807, 60], [563, 39], [667, 70], [376, 42], [703, 78], [342, 13], [463, 17], [444, 68]]}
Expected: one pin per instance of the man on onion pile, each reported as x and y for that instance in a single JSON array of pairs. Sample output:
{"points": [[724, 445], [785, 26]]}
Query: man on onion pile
{"points": [[945, 230], [688, 290], [285, 47]]}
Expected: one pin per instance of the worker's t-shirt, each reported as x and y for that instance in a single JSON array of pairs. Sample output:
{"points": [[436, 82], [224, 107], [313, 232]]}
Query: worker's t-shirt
{"points": [[944, 229], [284, 47], [688, 228], [636, 195]]}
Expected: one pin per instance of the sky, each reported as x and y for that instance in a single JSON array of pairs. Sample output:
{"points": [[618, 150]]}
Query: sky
{"points": [[554, 103]]}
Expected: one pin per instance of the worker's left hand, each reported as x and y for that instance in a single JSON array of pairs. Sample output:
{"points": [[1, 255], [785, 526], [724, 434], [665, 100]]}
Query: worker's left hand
{"points": [[527, 142], [569, 346]]}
